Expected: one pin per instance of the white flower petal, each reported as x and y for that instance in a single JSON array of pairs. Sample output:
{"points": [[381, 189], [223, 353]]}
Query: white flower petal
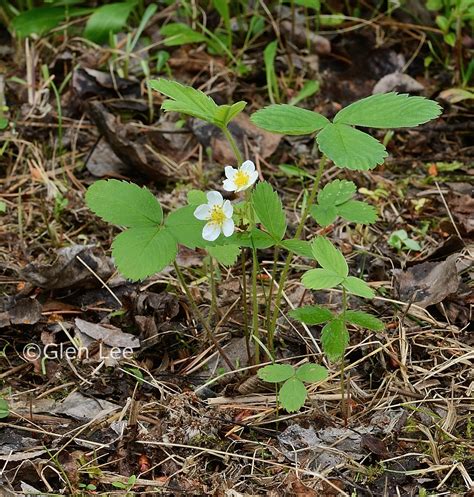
{"points": [[211, 232], [230, 172], [227, 208], [248, 167], [228, 227], [214, 198], [253, 177], [229, 185], [202, 212]]}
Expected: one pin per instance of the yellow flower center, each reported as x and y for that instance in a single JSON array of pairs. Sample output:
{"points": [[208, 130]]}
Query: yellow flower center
{"points": [[241, 179], [217, 215]]}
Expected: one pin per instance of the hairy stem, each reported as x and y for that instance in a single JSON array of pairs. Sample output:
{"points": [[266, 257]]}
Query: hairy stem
{"points": [[299, 230], [200, 317], [343, 386], [255, 328], [233, 145]]}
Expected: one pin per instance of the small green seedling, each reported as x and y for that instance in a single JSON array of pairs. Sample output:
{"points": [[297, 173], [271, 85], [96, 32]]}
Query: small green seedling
{"points": [[4, 409], [401, 241], [292, 394], [125, 486], [87, 486]]}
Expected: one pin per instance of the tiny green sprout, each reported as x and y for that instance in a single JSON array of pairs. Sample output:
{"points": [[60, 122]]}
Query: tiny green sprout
{"points": [[87, 486], [4, 409], [125, 486], [292, 394], [3, 207], [401, 241]]}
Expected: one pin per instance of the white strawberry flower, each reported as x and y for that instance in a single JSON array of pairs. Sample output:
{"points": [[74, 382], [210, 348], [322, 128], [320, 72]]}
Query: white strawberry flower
{"points": [[240, 179], [218, 214]]}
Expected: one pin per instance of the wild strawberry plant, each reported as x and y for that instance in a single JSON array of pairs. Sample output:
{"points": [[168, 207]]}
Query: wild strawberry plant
{"points": [[257, 219]]}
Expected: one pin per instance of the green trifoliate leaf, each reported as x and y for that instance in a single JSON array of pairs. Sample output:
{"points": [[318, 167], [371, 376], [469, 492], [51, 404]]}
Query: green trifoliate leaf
{"points": [[299, 247], [196, 197], [268, 207], [358, 287], [293, 394], [225, 113], [356, 211], [364, 320], [143, 251], [106, 19], [319, 279], [288, 120], [311, 373], [225, 254], [312, 314], [389, 110], [324, 214], [329, 257], [123, 203], [178, 33], [276, 373], [255, 239], [185, 228], [336, 192], [350, 148], [185, 99], [334, 339]]}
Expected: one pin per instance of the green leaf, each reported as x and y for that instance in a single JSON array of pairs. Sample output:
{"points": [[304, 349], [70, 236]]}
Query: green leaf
{"points": [[328, 257], [389, 110], [311, 373], [358, 287], [185, 99], [312, 314], [3, 123], [334, 339], [309, 89], [185, 228], [291, 170], [4, 409], [356, 211], [269, 55], [319, 279], [268, 207], [178, 33], [225, 113], [288, 120], [143, 251], [292, 394], [336, 192], [350, 148], [411, 244], [123, 203], [196, 197], [255, 239], [364, 320], [276, 373], [38, 20], [225, 254], [3, 207], [299, 247], [106, 19], [324, 214]]}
